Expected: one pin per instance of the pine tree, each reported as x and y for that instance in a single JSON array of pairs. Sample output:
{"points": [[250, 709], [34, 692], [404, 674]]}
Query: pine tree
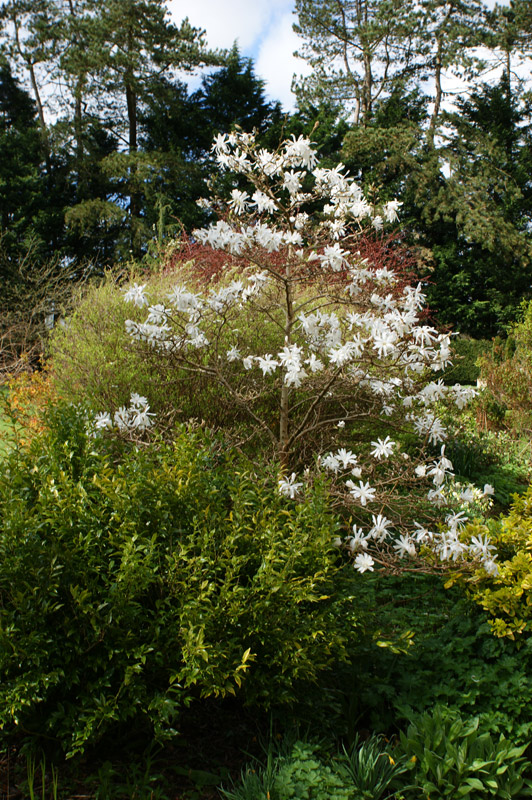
{"points": [[131, 48], [359, 51]]}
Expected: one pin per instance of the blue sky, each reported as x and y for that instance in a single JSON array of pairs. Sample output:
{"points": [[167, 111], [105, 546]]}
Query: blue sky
{"points": [[263, 29]]}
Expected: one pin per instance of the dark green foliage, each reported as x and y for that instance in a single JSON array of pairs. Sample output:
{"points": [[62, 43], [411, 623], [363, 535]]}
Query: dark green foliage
{"points": [[496, 458], [28, 207], [466, 352], [179, 129], [478, 218], [22, 158], [130, 592], [454, 661]]}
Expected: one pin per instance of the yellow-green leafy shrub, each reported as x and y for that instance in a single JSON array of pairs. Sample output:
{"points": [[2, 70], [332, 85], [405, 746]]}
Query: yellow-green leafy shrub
{"points": [[507, 596], [129, 592]]}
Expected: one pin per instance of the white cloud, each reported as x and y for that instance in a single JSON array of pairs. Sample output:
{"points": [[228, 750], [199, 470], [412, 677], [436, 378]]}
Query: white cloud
{"points": [[263, 30], [276, 62], [226, 21]]}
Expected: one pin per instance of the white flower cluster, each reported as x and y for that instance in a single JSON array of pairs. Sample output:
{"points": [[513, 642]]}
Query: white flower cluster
{"points": [[165, 329], [289, 179], [135, 419], [445, 543]]}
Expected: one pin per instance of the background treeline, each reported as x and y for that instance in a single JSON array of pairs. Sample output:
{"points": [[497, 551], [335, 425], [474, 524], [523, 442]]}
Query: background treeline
{"points": [[104, 151]]}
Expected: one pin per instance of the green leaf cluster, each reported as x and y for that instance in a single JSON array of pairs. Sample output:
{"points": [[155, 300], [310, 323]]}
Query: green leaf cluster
{"points": [[451, 758], [454, 660]]}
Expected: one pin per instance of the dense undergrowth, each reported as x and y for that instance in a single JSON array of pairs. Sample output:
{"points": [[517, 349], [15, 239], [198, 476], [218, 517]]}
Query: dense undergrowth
{"points": [[147, 592]]}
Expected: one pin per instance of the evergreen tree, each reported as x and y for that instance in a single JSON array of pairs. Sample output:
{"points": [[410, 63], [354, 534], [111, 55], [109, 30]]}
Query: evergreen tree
{"points": [[477, 218], [21, 161], [447, 33], [129, 47]]}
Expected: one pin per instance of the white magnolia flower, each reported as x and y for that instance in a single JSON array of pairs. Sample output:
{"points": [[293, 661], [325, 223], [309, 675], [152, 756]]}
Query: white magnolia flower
{"points": [[264, 202], [294, 377], [183, 300], [292, 181], [346, 457], [103, 420], [136, 294], [404, 546], [383, 448], [122, 419], [137, 401], [239, 201], [363, 562], [315, 365], [379, 530], [422, 534], [288, 487], [300, 152], [455, 521], [358, 540], [481, 546], [331, 462], [362, 492], [488, 489], [491, 567], [390, 211], [233, 354], [140, 420], [267, 364], [157, 315], [333, 257]]}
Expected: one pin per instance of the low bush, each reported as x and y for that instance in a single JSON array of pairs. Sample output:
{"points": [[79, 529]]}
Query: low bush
{"points": [[506, 372], [501, 458], [90, 354], [304, 772], [94, 361], [450, 757], [130, 591]]}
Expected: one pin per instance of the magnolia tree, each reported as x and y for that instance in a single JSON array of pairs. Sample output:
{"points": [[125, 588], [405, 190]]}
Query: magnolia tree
{"points": [[318, 349]]}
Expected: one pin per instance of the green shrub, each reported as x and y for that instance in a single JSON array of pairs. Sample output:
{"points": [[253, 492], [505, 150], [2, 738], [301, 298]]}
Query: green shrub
{"points": [[482, 456], [130, 591], [507, 373], [454, 660], [95, 361], [506, 596]]}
